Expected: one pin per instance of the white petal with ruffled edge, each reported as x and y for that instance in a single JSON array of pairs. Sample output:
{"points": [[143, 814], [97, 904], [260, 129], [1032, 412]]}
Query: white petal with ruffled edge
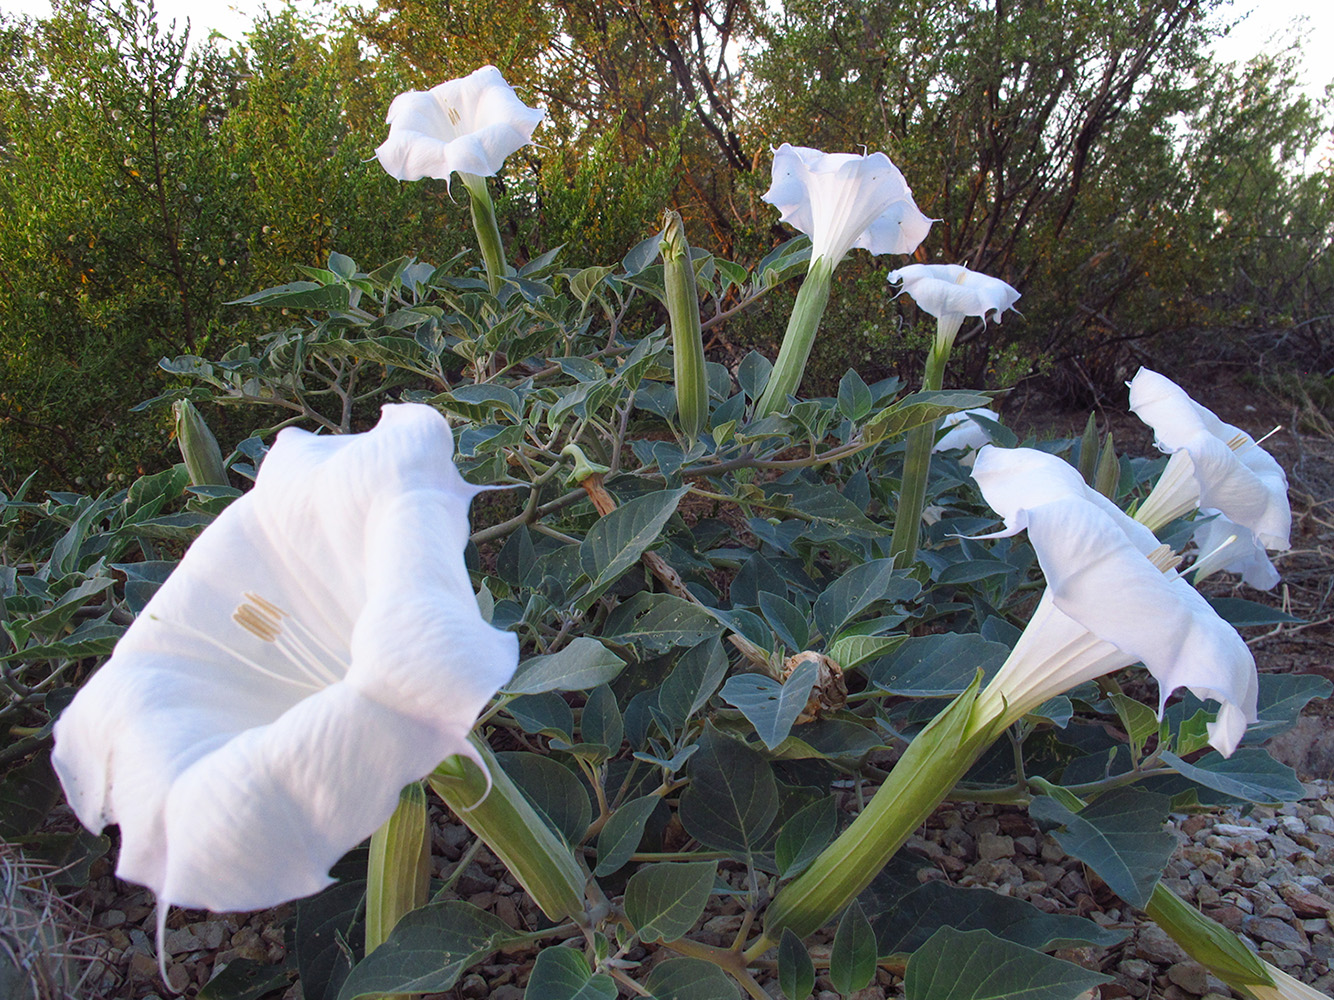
{"points": [[845, 200], [1098, 575], [465, 126], [1232, 473], [962, 432], [239, 772], [954, 290]]}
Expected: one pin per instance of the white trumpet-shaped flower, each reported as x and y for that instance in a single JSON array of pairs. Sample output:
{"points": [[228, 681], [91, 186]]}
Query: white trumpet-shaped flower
{"points": [[318, 647], [466, 126], [1219, 469], [1113, 599], [845, 200], [952, 290]]}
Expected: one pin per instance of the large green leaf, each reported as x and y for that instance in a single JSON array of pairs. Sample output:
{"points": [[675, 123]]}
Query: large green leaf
{"points": [[796, 971], [584, 663], [903, 918], [690, 979], [1120, 836], [919, 409], [977, 965], [657, 622], [563, 974], [1282, 698], [805, 835], [555, 792], [937, 666], [663, 901], [852, 959], [427, 951], [624, 830], [692, 681], [617, 540], [733, 796], [329, 935], [1250, 773], [772, 707], [858, 589]]}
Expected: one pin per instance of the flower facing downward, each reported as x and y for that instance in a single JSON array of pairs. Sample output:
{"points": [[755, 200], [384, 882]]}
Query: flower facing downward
{"points": [[318, 647], [1219, 469], [964, 433], [466, 126], [951, 290], [845, 200], [1112, 599]]}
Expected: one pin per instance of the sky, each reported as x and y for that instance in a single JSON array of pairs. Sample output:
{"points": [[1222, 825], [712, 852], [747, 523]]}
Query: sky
{"points": [[1266, 23]]}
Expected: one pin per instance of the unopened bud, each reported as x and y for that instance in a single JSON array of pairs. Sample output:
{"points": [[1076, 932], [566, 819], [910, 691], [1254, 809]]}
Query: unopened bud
{"points": [[199, 448]]}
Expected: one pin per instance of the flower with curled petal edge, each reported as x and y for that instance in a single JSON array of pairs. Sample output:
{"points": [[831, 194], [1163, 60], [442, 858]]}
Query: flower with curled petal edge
{"points": [[1219, 469], [466, 126], [318, 647], [1113, 598]]}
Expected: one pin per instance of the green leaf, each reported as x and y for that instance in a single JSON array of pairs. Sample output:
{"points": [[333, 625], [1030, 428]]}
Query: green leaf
{"points": [[329, 933], [27, 794], [657, 622], [563, 974], [1120, 836], [805, 835], [937, 666], [1240, 613], [733, 796], [601, 721], [771, 707], [300, 295], [852, 959], [427, 951], [663, 901], [919, 409], [554, 791], [1282, 698], [788, 623], [851, 651], [690, 979], [621, 836], [977, 965], [692, 681], [546, 713], [245, 979], [583, 284], [854, 398], [857, 590], [752, 374], [1249, 774], [796, 971], [617, 540], [584, 663], [1140, 720], [903, 921]]}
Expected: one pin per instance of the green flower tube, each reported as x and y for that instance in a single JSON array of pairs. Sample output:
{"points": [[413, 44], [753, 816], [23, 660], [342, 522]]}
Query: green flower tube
{"points": [[692, 386], [498, 813], [488, 231], [1211, 944], [199, 448], [935, 760], [398, 870], [802, 326]]}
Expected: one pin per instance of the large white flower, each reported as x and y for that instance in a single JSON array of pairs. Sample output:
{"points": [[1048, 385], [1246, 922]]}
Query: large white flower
{"points": [[952, 290], [964, 433], [1219, 469], [318, 647], [466, 126], [845, 200], [1112, 599]]}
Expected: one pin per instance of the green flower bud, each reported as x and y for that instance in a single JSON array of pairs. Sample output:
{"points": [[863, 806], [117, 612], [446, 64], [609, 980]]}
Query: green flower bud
{"points": [[199, 448], [678, 272]]}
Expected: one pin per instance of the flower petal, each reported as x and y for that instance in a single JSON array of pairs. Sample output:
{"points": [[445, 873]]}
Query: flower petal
{"points": [[954, 290], [466, 126], [1226, 546], [842, 200], [1244, 482], [203, 737], [963, 432]]}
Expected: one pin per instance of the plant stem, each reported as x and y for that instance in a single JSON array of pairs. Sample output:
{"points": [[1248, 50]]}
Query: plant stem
{"points": [[797, 341], [488, 232]]}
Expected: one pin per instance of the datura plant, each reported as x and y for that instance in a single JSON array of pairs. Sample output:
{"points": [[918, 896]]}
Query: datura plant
{"points": [[675, 668]]}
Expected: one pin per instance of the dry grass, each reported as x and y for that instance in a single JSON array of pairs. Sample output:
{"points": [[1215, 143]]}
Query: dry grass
{"points": [[41, 935]]}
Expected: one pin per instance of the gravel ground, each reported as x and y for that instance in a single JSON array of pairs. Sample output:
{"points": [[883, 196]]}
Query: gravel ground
{"points": [[1267, 874]]}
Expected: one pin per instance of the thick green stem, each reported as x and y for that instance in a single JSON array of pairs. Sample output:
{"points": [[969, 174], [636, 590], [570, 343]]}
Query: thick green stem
{"points": [[505, 821], [797, 341], [917, 456], [488, 232], [938, 757], [692, 385], [398, 870]]}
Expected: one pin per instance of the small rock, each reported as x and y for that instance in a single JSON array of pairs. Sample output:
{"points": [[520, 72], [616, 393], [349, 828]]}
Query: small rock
{"points": [[1303, 903], [142, 966], [473, 987], [1277, 932], [1233, 830], [1155, 946], [1190, 976], [110, 918], [507, 992], [994, 847], [508, 912]]}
